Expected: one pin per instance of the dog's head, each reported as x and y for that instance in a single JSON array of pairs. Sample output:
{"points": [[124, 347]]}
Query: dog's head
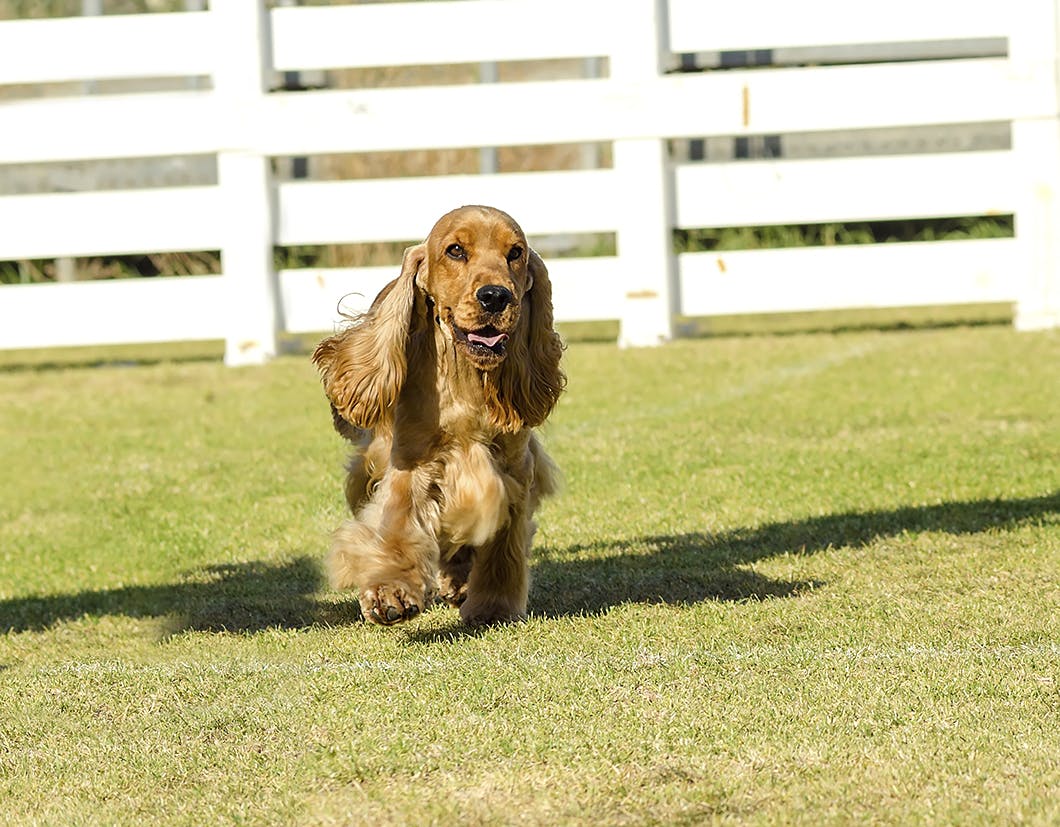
{"points": [[477, 276], [487, 295]]}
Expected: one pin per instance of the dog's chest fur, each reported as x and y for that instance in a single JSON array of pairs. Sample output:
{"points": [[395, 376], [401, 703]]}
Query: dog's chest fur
{"points": [[475, 494], [476, 471]]}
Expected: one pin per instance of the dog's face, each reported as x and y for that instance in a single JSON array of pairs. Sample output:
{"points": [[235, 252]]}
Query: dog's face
{"points": [[477, 274], [473, 289]]}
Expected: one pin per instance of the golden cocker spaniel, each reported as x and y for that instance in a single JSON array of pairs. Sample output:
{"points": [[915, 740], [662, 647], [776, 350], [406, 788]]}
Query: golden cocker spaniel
{"points": [[438, 386]]}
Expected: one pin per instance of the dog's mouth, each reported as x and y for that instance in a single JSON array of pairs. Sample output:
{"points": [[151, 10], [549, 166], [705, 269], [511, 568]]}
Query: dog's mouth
{"points": [[485, 343]]}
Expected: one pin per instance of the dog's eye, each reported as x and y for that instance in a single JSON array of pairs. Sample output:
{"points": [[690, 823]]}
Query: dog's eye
{"points": [[456, 251], [515, 253]]}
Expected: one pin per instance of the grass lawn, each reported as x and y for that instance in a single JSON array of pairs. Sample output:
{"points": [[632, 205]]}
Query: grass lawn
{"points": [[808, 578]]}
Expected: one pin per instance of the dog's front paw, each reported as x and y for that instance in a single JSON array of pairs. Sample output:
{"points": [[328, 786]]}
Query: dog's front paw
{"points": [[390, 603]]}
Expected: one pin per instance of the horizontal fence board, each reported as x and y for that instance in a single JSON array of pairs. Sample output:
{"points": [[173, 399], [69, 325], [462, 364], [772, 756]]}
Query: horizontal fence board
{"points": [[371, 120], [856, 276], [156, 124], [745, 281], [583, 289], [712, 103], [107, 47], [810, 99], [586, 289], [696, 25], [113, 312], [316, 299], [111, 223], [845, 189], [368, 120], [404, 209], [377, 35], [425, 33]]}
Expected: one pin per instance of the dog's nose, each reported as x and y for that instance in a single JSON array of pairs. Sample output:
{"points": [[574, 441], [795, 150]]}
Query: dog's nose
{"points": [[494, 298]]}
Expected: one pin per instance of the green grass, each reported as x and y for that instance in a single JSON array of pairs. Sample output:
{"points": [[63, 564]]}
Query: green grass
{"points": [[831, 234], [809, 578]]}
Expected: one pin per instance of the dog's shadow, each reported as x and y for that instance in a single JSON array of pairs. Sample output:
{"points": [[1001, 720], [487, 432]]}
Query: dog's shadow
{"points": [[696, 567], [675, 569], [238, 598]]}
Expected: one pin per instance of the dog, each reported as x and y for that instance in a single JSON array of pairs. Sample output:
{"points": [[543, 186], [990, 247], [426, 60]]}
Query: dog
{"points": [[438, 386]]}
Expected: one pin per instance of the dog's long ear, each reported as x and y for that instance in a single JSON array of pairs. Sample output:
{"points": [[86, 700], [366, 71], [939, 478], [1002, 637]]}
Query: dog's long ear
{"points": [[363, 367], [531, 380]]}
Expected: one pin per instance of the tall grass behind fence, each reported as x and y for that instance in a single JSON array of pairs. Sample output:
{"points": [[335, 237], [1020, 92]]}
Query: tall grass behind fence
{"points": [[632, 112]]}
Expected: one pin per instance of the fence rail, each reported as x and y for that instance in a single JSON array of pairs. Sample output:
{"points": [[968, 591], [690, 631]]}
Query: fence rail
{"points": [[636, 108]]}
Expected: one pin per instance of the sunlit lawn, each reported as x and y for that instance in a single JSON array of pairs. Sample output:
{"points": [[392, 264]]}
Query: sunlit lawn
{"points": [[792, 579]]}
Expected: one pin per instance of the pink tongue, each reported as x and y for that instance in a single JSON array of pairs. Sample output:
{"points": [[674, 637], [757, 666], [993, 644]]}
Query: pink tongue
{"points": [[488, 341]]}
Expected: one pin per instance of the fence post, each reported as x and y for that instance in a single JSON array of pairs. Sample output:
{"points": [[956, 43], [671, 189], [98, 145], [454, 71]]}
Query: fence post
{"points": [[1035, 52], [645, 228], [241, 80]]}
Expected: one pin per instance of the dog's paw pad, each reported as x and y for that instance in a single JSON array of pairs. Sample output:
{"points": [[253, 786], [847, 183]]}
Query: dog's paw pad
{"points": [[389, 604]]}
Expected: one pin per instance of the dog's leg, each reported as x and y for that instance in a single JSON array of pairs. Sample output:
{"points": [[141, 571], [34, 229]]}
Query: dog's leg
{"points": [[389, 551], [499, 581], [365, 468], [453, 574]]}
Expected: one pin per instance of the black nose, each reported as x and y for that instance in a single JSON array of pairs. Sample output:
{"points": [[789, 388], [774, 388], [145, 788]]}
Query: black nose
{"points": [[494, 298]]}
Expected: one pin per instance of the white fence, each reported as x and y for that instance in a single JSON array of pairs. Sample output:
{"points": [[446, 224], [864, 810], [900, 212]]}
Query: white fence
{"points": [[641, 198]]}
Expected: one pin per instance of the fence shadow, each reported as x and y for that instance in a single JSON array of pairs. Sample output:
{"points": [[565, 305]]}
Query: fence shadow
{"points": [[231, 597], [674, 569]]}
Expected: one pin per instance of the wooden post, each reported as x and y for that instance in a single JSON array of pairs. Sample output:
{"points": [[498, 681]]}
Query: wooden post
{"points": [[1036, 146], [241, 80], [645, 231]]}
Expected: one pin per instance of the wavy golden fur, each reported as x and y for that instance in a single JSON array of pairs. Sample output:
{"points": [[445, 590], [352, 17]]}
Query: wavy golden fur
{"points": [[438, 386]]}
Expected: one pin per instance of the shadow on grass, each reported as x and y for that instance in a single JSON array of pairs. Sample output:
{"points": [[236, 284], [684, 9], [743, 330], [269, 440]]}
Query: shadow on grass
{"points": [[691, 568], [233, 597], [681, 569]]}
